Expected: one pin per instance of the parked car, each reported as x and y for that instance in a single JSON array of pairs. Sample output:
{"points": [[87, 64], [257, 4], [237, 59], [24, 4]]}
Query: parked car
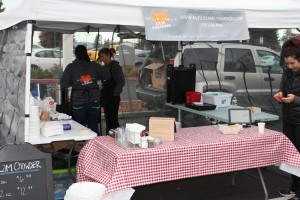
{"points": [[45, 58], [268, 59], [140, 56], [230, 67], [153, 96], [36, 46]]}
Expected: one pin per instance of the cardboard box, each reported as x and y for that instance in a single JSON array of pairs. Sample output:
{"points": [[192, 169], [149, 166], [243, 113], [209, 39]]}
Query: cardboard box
{"points": [[157, 74], [162, 128]]}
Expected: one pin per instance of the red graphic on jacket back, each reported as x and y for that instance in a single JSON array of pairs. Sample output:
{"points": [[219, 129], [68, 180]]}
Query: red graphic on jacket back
{"points": [[86, 79]]}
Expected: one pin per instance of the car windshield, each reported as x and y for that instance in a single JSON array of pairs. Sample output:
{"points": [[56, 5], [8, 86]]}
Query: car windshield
{"points": [[153, 70], [203, 58], [162, 52]]}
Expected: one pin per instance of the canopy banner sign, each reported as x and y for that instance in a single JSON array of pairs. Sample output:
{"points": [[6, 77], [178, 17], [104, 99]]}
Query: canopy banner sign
{"points": [[164, 24]]}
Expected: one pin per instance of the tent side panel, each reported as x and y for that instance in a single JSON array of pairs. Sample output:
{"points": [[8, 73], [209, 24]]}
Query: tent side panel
{"points": [[12, 87]]}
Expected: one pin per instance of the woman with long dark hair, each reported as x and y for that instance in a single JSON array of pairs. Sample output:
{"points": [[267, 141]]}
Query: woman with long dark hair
{"points": [[112, 89]]}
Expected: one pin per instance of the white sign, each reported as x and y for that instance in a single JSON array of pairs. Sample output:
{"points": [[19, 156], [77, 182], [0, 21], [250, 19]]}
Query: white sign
{"points": [[165, 24]]}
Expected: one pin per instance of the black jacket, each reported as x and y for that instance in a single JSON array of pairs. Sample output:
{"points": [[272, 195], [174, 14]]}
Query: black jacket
{"points": [[114, 85], [290, 84], [84, 77]]}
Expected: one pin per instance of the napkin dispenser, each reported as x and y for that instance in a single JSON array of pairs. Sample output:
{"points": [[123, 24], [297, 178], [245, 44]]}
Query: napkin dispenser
{"points": [[51, 128], [162, 128]]}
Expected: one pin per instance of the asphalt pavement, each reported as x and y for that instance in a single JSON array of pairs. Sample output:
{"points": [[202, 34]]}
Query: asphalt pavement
{"points": [[218, 187]]}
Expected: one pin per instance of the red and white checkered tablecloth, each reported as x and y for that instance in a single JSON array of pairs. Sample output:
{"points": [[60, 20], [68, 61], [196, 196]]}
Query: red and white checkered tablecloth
{"points": [[196, 151]]}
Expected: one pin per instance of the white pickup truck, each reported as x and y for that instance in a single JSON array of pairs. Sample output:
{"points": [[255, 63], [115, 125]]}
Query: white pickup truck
{"points": [[247, 71]]}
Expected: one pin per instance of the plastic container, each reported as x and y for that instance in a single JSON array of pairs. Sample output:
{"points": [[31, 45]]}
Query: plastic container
{"points": [[123, 138], [61, 182], [192, 97], [220, 99], [230, 129], [59, 191], [151, 143]]}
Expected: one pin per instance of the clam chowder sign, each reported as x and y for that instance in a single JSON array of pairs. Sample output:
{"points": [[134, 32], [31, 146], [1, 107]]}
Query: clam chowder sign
{"points": [[165, 24]]}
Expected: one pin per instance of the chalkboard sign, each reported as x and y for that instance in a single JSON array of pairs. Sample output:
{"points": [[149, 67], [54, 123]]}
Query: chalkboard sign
{"points": [[25, 173]]}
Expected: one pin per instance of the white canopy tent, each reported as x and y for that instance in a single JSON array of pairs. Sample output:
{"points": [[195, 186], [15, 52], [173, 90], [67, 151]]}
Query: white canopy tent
{"points": [[70, 16], [93, 15]]}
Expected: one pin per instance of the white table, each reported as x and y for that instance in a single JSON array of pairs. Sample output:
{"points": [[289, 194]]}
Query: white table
{"points": [[69, 135], [73, 134], [221, 114]]}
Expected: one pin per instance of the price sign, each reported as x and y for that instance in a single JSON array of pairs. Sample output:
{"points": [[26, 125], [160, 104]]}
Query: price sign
{"points": [[25, 173]]}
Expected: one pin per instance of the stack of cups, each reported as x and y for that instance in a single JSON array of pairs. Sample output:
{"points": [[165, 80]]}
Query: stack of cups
{"points": [[34, 122]]}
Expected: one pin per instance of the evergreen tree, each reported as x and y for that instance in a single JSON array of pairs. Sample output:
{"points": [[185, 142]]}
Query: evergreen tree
{"points": [[50, 39], [106, 43], [265, 37], [98, 41], [286, 35]]}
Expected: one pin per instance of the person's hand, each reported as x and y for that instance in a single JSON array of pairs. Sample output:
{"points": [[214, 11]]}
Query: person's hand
{"points": [[278, 96], [289, 99]]}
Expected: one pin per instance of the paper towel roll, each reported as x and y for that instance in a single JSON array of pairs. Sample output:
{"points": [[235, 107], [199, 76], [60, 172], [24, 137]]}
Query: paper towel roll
{"points": [[34, 114], [34, 132], [199, 88], [32, 100], [34, 122]]}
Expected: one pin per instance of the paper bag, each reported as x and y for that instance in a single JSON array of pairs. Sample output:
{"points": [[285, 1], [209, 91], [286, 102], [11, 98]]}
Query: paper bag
{"points": [[162, 128]]}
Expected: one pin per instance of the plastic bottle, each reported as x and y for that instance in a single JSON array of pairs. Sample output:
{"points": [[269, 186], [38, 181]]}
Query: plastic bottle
{"points": [[59, 191], [234, 101]]}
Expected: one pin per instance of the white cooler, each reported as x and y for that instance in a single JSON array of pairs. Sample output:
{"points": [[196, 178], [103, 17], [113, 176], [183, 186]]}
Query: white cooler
{"points": [[220, 99]]}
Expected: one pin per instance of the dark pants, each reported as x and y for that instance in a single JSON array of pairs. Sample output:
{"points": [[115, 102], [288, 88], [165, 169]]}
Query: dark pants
{"points": [[87, 115], [111, 110], [293, 133]]}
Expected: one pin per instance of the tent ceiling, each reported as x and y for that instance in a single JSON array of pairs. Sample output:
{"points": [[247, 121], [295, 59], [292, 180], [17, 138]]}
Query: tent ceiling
{"points": [[71, 27], [69, 16]]}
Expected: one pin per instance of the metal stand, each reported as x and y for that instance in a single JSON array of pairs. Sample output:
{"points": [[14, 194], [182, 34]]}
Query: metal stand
{"points": [[69, 161], [260, 177]]}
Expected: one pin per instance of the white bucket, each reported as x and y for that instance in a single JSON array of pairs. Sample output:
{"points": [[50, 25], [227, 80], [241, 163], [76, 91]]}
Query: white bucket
{"points": [[85, 191]]}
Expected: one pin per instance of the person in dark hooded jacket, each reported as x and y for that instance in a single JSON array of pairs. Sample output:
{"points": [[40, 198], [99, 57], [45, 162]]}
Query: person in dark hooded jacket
{"points": [[112, 89], [84, 77], [289, 96]]}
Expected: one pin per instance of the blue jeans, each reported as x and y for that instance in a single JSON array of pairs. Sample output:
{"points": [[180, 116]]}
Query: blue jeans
{"points": [[87, 115]]}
